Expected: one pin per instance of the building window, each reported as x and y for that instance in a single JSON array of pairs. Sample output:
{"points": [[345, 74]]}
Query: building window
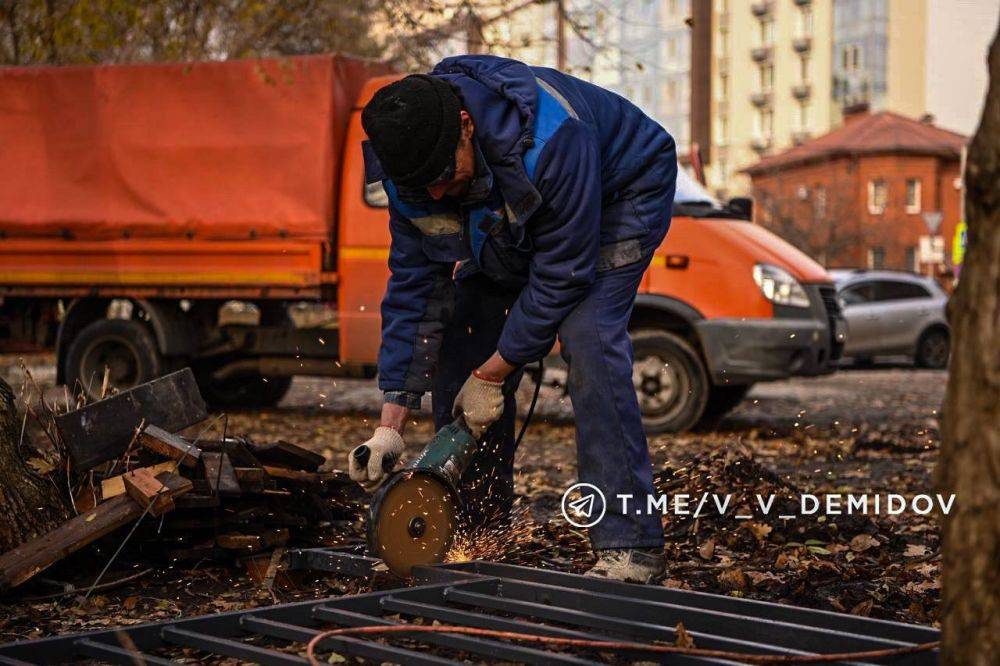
{"points": [[911, 259], [723, 88], [766, 77], [913, 195], [803, 117], [723, 129], [876, 257], [767, 32], [806, 21], [804, 69], [877, 195], [819, 202]]}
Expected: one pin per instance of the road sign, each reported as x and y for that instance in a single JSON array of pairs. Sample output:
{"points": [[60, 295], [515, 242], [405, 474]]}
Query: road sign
{"points": [[932, 219], [931, 250]]}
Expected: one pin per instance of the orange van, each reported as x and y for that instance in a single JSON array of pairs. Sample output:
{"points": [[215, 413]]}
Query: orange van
{"points": [[215, 215]]}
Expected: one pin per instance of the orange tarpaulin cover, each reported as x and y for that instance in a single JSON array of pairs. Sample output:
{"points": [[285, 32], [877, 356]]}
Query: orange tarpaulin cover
{"points": [[211, 150]]}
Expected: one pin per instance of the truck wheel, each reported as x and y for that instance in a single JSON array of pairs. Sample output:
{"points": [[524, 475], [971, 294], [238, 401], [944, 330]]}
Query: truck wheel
{"points": [[670, 381], [124, 346], [721, 401], [246, 390], [933, 349]]}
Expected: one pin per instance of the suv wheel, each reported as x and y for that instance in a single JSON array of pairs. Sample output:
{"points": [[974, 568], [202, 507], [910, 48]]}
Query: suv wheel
{"points": [[670, 381], [933, 349], [123, 346]]}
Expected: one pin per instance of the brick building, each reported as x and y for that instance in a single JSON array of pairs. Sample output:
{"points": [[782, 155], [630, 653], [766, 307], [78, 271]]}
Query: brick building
{"points": [[866, 194]]}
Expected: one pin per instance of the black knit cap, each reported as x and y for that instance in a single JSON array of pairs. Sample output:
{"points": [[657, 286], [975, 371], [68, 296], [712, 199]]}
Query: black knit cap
{"points": [[414, 125]]}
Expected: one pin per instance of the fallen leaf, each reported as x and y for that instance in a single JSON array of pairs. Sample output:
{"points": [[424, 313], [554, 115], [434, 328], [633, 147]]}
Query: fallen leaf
{"points": [[864, 608], [707, 549], [733, 579], [863, 542], [130, 603], [683, 639]]}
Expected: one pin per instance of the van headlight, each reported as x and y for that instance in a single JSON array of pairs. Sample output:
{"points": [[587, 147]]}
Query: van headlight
{"points": [[779, 287]]}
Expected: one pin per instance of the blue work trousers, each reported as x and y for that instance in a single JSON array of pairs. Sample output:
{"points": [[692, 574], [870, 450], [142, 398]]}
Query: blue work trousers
{"points": [[612, 451]]}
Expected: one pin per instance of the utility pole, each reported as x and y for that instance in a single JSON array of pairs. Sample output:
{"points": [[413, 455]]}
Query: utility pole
{"points": [[561, 35]]}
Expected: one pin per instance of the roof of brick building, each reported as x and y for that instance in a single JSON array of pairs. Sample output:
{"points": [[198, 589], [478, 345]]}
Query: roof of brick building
{"points": [[870, 133]]}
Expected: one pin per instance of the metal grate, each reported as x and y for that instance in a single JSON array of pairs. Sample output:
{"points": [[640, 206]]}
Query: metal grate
{"points": [[485, 595]]}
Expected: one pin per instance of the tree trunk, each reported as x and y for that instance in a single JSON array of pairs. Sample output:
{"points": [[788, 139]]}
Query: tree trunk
{"points": [[969, 465], [29, 505]]}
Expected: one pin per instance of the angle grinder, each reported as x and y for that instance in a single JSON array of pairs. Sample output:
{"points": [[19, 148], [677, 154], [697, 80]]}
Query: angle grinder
{"points": [[413, 515]]}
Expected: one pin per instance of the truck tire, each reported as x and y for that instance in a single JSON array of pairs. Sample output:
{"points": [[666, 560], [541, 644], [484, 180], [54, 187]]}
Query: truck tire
{"points": [[126, 347], [670, 381], [721, 401], [933, 349], [250, 390]]}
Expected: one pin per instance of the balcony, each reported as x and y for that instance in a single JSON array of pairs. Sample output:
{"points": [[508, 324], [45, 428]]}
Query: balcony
{"points": [[801, 91], [761, 144], [802, 44], [761, 8], [761, 99], [801, 136], [761, 53]]}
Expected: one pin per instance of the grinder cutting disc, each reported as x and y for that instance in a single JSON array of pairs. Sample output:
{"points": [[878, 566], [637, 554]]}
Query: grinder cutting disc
{"points": [[412, 521]]}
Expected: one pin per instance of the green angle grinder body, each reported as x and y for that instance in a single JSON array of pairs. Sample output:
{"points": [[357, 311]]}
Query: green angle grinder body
{"points": [[412, 517]]}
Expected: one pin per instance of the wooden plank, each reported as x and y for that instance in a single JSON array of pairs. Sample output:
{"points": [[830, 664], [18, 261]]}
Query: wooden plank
{"points": [[253, 543], [103, 430], [28, 559], [169, 445], [175, 483], [253, 479], [288, 455], [115, 486], [300, 476], [220, 474], [146, 489]]}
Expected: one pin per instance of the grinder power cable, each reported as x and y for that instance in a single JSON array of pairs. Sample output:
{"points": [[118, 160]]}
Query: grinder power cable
{"points": [[413, 515]]}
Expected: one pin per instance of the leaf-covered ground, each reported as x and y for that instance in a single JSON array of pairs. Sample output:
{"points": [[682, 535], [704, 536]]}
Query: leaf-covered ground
{"points": [[871, 431]]}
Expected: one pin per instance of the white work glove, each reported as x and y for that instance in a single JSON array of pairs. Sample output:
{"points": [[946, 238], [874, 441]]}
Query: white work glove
{"points": [[370, 463], [480, 403]]}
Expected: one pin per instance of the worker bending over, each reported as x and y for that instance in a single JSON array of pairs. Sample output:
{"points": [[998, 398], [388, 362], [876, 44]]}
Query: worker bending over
{"points": [[550, 194]]}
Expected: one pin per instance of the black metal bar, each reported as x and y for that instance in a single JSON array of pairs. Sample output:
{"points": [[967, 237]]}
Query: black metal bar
{"points": [[469, 619], [483, 646], [746, 627], [615, 625], [855, 624], [358, 647], [334, 561], [116, 654], [230, 647]]}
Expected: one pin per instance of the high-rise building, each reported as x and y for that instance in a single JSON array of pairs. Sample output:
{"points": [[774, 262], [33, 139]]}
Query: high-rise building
{"points": [[640, 49], [784, 70], [770, 82]]}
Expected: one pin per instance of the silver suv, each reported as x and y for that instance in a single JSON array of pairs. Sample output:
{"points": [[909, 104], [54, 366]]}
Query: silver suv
{"points": [[893, 313]]}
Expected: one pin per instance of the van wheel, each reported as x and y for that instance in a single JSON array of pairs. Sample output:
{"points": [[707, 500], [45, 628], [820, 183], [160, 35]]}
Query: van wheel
{"points": [[245, 390], [933, 349], [123, 346], [721, 401], [670, 381]]}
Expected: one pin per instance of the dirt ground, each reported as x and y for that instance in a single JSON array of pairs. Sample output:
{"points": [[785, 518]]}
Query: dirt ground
{"points": [[859, 431]]}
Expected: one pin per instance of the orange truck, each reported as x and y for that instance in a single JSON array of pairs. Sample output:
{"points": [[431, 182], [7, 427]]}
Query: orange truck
{"points": [[215, 215]]}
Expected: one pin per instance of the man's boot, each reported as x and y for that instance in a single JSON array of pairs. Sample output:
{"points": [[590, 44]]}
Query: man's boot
{"points": [[630, 565]]}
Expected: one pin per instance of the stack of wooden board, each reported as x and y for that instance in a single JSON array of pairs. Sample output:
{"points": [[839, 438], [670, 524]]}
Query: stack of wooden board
{"points": [[196, 497]]}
